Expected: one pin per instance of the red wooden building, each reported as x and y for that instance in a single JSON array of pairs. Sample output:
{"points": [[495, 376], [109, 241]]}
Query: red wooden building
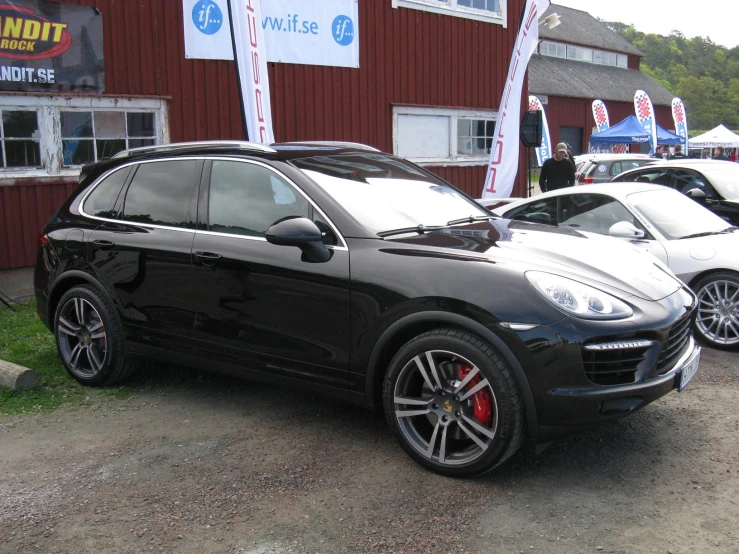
{"points": [[582, 60], [423, 65]]}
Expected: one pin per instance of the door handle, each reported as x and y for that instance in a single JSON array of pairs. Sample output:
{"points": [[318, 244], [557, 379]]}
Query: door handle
{"points": [[103, 244], [208, 258]]}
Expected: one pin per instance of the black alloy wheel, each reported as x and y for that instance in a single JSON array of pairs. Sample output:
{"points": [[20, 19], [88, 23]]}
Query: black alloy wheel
{"points": [[89, 338], [452, 403]]}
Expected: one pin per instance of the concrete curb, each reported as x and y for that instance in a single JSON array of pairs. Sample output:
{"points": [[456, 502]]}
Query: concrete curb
{"points": [[17, 377]]}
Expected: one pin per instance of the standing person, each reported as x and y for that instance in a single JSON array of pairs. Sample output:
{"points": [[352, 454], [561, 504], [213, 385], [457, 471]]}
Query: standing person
{"points": [[718, 153], [557, 172], [678, 152]]}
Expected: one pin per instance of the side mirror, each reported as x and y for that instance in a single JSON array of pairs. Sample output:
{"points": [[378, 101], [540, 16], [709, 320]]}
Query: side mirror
{"points": [[696, 194], [626, 230], [300, 232]]}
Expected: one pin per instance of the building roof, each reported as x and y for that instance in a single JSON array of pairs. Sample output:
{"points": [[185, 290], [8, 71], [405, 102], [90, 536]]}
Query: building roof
{"points": [[578, 27], [561, 77]]}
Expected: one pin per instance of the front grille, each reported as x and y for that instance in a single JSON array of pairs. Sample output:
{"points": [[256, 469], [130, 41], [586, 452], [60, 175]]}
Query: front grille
{"points": [[614, 363], [676, 344]]}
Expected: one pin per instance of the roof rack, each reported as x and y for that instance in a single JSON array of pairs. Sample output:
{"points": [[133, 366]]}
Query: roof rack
{"points": [[243, 145], [335, 143]]}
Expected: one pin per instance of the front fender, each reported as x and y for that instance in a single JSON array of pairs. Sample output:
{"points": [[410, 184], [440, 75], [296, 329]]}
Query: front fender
{"points": [[433, 319]]}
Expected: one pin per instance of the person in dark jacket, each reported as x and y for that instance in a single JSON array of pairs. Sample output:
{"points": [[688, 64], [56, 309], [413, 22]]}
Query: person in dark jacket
{"points": [[678, 152], [557, 172], [718, 154]]}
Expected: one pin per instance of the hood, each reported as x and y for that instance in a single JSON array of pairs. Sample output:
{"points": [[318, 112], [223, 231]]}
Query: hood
{"points": [[599, 261]]}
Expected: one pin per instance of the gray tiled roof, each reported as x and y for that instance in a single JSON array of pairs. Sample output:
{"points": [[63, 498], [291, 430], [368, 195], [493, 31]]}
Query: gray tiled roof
{"points": [[578, 27], [561, 77]]}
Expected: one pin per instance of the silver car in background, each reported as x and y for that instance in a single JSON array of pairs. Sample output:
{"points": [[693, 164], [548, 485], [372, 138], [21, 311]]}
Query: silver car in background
{"points": [[601, 168], [697, 245]]}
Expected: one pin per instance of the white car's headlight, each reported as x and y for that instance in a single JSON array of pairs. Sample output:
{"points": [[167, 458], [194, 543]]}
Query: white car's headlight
{"points": [[578, 299]]}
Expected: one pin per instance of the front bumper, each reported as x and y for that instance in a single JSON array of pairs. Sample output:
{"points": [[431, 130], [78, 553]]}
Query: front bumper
{"points": [[583, 407]]}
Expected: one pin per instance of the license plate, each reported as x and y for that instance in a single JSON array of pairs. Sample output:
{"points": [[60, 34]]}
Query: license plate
{"points": [[689, 370]]}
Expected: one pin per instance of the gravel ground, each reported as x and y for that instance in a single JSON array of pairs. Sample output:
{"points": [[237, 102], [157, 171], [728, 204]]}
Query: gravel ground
{"points": [[217, 465]]}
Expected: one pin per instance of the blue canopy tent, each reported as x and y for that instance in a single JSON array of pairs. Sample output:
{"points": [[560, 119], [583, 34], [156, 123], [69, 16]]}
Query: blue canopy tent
{"points": [[630, 130]]}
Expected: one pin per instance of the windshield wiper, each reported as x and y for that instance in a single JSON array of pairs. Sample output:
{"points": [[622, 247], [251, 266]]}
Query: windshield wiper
{"points": [[420, 229], [470, 219], [709, 233]]}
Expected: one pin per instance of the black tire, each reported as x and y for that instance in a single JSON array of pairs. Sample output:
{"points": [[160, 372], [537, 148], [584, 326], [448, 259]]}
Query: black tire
{"points": [[717, 320], [89, 338], [443, 416]]}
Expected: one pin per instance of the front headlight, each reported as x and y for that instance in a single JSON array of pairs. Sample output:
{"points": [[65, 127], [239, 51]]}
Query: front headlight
{"points": [[578, 299]]}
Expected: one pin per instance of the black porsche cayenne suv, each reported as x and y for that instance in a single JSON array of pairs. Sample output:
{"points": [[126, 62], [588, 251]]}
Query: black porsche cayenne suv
{"points": [[357, 274]]}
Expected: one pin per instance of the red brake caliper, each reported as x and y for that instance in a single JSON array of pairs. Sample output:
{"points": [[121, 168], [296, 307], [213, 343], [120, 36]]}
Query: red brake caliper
{"points": [[481, 400]]}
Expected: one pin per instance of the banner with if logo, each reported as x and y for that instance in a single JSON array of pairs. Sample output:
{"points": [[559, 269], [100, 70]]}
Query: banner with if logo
{"points": [[42, 47], [543, 152], [314, 32], [645, 115], [681, 122]]}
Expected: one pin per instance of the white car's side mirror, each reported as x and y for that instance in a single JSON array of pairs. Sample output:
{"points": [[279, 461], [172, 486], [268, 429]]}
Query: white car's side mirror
{"points": [[626, 230]]}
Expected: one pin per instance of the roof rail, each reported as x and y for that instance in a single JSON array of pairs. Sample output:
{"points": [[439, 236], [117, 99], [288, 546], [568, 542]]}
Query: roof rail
{"points": [[358, 145], [253, 146]]}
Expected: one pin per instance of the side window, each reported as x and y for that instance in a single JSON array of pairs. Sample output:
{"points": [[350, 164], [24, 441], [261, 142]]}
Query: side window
{"points": [[616, 168], [246, 199], [684, 180], [594, 213], [101, 201], [160, 193], [544, 211]]}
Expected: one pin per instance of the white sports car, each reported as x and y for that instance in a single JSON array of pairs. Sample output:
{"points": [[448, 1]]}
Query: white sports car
{"points": [[698, 246]]}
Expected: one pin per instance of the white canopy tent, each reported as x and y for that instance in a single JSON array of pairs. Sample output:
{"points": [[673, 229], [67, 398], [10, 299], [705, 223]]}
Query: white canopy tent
{"points": [[720, 136]]}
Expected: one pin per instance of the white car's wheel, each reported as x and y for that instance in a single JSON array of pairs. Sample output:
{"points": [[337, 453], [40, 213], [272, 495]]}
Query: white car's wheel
{"points": [[717, 321]]}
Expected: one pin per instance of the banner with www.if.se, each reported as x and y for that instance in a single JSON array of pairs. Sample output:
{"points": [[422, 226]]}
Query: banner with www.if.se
{"points": [[314, 32]]}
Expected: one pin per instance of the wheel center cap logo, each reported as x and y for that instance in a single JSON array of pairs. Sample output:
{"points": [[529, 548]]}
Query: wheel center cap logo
{"points": [[86, 336], [447, 406]]}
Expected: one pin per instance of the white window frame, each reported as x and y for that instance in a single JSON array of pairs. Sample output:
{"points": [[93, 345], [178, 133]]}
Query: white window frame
{"points": [[555, 49], [49, 110], [454, 114], [452, 9]]}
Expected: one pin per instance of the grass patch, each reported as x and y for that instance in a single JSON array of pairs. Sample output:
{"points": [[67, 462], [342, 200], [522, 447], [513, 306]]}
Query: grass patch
{"points": [[25, 341]]}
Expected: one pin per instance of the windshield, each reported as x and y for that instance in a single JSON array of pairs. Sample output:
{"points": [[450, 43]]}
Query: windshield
{"points": [[725, 179], [675, 215], [384, 193]]}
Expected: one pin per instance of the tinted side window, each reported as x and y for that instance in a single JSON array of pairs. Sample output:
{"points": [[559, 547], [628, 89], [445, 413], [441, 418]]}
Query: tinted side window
{"points": [[246, 199], [160, 193], [685, 180], [593, 212], [102, 200], [654, 176], [543, 211]]}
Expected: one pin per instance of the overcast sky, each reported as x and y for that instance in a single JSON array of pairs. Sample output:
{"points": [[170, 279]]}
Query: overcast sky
{"points": [[711, 18]]}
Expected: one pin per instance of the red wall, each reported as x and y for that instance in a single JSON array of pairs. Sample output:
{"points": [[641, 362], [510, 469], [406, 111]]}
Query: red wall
{"points": [[578, 112], [407, 56]]}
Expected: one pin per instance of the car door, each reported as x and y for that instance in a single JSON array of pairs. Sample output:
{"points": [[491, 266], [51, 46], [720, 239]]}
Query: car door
{"points": [[261, 306], [142, 251], [597, 213]]}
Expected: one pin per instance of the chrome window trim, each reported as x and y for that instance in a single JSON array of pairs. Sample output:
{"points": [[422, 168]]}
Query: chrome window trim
{"points": [[342, 247]]}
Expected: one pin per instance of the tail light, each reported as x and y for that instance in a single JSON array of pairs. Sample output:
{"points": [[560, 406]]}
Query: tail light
{"points": [[587, 180], [43, 240]]}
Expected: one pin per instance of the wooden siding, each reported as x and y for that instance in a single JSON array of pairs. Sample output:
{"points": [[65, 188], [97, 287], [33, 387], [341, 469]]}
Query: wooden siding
{"points": [[578, 112], [407, 56]]}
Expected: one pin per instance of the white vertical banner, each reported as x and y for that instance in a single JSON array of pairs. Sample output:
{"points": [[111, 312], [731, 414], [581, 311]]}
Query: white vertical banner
{"points": [[251, 64], [681, 122], [600, 115], [544, 150], [646, 116], [503, 164]]}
